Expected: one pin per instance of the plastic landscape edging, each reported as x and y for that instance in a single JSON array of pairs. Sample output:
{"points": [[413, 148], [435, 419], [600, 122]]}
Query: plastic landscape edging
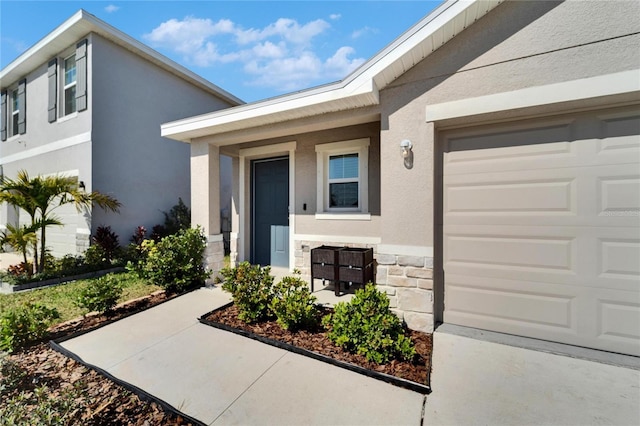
{"points": [[141, 393], [111, 321], [393, 380], [34, 285]]}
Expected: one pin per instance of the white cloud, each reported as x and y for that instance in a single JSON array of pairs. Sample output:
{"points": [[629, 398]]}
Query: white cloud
{"points": [[288, 29], [111, 8], [339, 65], [363, 31], [335, 16], [280, 55]]}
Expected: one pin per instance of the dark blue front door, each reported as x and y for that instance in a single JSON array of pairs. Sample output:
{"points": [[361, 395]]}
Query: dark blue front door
{"points": [[270, 212]]}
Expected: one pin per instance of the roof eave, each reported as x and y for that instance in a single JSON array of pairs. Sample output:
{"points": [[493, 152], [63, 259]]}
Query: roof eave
{"points": [[83, 23], [406, 51]]}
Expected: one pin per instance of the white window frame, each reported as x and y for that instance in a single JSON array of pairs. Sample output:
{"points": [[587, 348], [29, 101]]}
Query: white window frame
{"points": [[67, 86], [15, 111], [323, 154]]}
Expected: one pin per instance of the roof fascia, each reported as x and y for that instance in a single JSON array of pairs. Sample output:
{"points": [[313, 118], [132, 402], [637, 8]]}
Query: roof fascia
{"points": [[83, 23], [360, 82]]}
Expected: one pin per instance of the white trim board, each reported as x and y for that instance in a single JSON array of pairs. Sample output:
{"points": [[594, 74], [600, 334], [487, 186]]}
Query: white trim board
{"points": [[345, 239], [626, 82], [401, 250], [50, 147]]}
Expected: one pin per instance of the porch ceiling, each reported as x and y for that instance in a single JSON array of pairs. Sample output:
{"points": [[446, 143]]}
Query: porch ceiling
{"points": [[358, 90]]}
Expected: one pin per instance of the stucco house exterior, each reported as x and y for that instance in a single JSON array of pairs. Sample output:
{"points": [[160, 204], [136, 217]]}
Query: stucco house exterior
{"points": [[87, 101], [490, 156]]}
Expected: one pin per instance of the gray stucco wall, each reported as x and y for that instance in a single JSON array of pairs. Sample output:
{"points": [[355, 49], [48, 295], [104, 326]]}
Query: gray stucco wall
{"points": [[48, 148], [147, 173]]}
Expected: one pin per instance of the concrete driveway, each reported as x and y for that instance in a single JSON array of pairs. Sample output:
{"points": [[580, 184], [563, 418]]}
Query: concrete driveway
{"points": [[223, 379], [477, 382]]}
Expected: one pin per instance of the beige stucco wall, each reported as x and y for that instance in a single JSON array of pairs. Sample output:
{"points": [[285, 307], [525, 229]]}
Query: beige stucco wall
{"points": [[518, 45], [305, 183]]}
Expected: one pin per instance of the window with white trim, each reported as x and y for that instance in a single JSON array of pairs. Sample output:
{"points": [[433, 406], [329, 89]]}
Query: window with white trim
{"points": [[343, 177], [70, 80], [15, 112], [13, 108]]}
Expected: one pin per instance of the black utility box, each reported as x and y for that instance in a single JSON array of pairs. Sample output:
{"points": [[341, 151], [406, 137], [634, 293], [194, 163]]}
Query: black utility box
{"points": [[324, 263], [355, 257], [356, 266], [342, 265]]}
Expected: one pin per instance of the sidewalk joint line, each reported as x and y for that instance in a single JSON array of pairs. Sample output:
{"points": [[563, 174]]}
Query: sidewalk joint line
{"points": [[249, 387]]}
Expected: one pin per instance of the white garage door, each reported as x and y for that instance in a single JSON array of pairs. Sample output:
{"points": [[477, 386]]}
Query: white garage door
{"points": [[541, 229]]}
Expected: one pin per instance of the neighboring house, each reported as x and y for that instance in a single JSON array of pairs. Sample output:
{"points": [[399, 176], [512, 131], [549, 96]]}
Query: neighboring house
{"points": [[516, 207], [87, 101]]}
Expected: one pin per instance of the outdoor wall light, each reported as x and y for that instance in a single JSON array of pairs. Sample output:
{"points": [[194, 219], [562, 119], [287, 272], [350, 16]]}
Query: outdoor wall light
{"points": [[406, 146], [407, 153], [81, 185]]}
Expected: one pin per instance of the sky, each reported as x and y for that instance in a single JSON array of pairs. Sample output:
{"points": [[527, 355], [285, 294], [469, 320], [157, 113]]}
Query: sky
{"points": [[252, 49]]}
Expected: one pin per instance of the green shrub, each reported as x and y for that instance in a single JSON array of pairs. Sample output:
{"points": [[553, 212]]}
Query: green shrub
{"points": [[24, 324], [11, 376], [366, 326], [176, 262], [96, 257], [294, 305], [102, 295], [44, 407], [251, 287]]}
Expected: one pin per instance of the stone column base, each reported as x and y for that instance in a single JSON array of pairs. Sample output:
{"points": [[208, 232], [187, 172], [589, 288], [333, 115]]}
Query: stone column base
{"points": [[214, 256]]}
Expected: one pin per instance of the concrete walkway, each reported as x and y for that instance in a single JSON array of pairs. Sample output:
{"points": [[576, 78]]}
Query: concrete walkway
{"points": [[224, 379]]}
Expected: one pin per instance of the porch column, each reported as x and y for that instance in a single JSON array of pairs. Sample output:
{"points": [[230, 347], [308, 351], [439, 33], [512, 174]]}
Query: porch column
{"points": [[234, 237], [205, 201]]}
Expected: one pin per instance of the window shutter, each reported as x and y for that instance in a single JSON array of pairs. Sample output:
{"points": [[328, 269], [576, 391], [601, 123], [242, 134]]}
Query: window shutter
{"points": [[3, 118], [22, 106], [53, 90], [81, 76]]}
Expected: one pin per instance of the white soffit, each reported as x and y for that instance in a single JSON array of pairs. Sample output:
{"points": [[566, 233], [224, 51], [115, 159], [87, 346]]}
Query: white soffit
{"points": [[360, 89], [80, 25]]}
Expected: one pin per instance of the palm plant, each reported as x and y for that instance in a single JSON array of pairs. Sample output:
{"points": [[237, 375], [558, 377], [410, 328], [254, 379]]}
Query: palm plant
{"points": [[19, 238], [41, 195]]}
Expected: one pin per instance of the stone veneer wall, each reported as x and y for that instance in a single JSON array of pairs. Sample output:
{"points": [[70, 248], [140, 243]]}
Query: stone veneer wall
{"points": [[214, 256], [82, 242], [407, 281]]}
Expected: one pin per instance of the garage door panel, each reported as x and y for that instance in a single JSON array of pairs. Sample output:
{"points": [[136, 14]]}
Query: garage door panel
{"points": [[508, 303], [620, 135], [61, 240], [619, 321], [541, 230], [598, 257], [521, 252], [620, 259], [619, 196], [515, 307], [617, 317], [595, 196], [508, 197]]}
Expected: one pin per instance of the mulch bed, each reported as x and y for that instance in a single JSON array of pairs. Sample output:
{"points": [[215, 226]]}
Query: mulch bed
{"points": [[103, 402], [318, 342]]}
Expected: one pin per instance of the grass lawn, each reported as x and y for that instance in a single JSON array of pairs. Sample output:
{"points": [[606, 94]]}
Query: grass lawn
{"points": [[62, 296]]}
